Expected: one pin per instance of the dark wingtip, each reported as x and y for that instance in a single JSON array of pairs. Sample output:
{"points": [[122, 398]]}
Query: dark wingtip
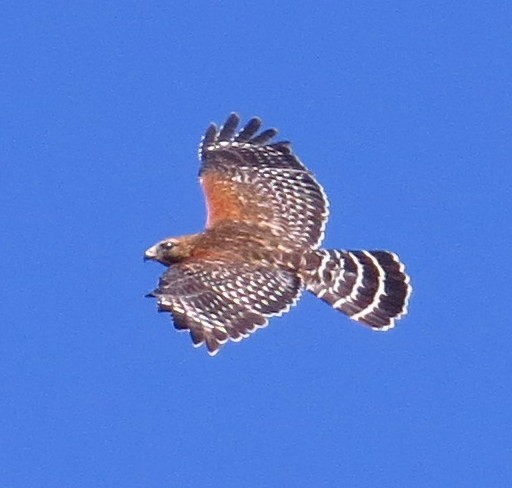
{"points": [[210, 136], [227, 131], [264, 137], [248, 134], [249, 130]]}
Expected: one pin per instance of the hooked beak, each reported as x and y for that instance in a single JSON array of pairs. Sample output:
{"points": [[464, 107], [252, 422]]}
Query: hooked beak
{"points": [[150, 253]]}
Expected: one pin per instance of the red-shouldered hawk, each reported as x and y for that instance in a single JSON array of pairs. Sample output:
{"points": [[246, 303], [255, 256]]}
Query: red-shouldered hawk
{"points": [[260, 249]]}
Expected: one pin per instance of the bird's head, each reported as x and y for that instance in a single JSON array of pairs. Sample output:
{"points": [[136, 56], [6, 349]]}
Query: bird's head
{"points": [[168, 251]]}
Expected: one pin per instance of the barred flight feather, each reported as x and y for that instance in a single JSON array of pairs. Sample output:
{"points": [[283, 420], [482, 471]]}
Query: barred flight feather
{"points": [[218, 302], [262, 183]]}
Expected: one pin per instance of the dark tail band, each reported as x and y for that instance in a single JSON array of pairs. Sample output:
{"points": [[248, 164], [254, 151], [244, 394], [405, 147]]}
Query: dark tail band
{"points": [[369, 286]]}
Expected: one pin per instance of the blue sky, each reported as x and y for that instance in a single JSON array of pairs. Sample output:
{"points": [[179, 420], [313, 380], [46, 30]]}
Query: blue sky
{"points": [[403, 112]]}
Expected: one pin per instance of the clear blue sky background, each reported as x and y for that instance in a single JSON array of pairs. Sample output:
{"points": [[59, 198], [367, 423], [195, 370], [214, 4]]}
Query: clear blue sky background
{"points": [[402, 110]]}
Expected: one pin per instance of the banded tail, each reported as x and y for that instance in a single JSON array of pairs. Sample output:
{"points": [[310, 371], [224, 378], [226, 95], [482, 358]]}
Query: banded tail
{"points": [[369, 286]]}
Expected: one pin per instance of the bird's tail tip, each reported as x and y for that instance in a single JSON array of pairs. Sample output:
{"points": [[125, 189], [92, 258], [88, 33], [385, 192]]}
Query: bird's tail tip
{"points": [[368, 286]]}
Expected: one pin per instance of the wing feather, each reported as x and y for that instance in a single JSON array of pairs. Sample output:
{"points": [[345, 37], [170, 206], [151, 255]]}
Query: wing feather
{"points": [[219, 301], [247, 178], [227, 131], [250, 129]]}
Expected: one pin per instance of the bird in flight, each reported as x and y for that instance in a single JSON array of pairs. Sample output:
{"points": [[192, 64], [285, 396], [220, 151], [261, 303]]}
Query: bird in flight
{"points": [[266, 216]]}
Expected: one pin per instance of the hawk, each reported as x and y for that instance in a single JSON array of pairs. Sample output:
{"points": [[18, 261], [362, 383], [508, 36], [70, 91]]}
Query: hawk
{"points": [[266, 216]]}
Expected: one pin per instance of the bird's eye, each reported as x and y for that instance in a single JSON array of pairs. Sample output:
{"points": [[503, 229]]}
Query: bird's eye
{"points": [[168, 245]]}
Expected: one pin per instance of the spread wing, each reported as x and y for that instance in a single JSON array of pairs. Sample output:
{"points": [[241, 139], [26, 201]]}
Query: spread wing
{"points": [[246, 178], [218, 301]]}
